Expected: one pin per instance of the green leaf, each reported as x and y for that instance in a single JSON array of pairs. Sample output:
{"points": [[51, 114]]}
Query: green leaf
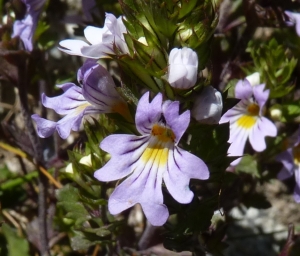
{"points": [[69, 199], [17, 246]]}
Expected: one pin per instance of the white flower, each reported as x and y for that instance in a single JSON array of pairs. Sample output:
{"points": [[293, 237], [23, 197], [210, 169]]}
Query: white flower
{"points": [[102, 40], [208, 106], [183, 68]]}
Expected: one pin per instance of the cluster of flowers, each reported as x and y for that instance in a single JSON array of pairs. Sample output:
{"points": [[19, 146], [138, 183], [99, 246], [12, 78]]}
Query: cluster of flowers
{"points": [[154, 156]]}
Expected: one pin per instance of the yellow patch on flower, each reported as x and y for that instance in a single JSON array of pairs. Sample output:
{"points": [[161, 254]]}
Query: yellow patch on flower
{"points": [[296, 154], [80, 108], [248, 120], [158, 148]]}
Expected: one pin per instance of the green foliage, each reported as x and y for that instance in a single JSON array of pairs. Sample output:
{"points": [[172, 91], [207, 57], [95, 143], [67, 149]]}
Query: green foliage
{"points": [[16, 245], [275, 65]]}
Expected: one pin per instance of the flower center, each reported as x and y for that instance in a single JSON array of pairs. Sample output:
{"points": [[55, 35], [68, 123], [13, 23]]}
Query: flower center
{"points": [[248, 120], [164, 134], [253, 109], [296, 154], [161, 141]]}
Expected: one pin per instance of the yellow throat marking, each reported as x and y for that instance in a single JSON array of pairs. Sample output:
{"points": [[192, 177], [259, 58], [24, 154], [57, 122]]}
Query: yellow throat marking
{"points": [[162, 139], [248, 120]]}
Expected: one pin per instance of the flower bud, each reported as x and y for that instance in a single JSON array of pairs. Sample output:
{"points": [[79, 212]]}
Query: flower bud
{"points": [[208, 106], [183, 68]]}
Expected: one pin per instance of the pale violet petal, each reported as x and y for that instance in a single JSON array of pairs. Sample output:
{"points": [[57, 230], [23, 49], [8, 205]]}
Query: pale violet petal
{"points": [[94, 34], [72, 46], [148, 113]]}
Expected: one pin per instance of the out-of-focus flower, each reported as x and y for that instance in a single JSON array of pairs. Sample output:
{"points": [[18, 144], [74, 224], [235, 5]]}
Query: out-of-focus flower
{"points": [[208, 106], [25, 28], [102, 40], [246, 120], [290, 160], [183, 68], [151, 158], [90, 10], [294, 20], [97, 95]]}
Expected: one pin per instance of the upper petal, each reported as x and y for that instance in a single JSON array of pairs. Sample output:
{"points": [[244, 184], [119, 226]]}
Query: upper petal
{"points": [[148, 113], [94, 34], [260, 95], [243, 89], [177, 123]]}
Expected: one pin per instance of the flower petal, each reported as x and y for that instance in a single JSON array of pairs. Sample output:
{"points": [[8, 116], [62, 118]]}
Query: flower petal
{"points": [[97, 51], [243, 89], [287, 160], [94, 34], [297, 186], [72, 47], [123, 157], [260, 95], [67, 102], [177, 123], [182, 166], [143, 187], [148, 113], [45, 128]]}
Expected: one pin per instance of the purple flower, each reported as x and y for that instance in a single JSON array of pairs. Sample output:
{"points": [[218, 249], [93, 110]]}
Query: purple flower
{"points": [[290, 160], [294, 20], [151, 158], [183, 68], [102, 40], [246, 120], [25, 28], [97, 95]]}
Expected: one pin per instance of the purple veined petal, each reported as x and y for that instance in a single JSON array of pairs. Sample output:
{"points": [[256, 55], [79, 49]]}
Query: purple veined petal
{"points": [[243, 89], [287, 160], [68, 123], [67, 102], [231, 115], [72, 46], [177, 123], [87, 65], [72, 121], [65, 86], [183, 166], [144, 187], [177, 182], [148, 113], [260, 95], [98, 88], [94, 34], [45, 128], [191, 165], [123, 157], [297, 185]]}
